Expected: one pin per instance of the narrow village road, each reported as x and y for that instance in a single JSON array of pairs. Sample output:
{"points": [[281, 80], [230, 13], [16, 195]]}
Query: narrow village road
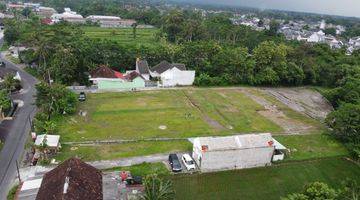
{"points": [[17, 130]]}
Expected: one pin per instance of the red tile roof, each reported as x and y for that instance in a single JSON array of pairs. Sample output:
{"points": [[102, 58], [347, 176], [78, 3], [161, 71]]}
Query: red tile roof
{"points": [[105, 72], [71, 180]]}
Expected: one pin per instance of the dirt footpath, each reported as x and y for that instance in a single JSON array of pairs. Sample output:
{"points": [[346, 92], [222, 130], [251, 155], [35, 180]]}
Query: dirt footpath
{"points": [[303, 100]]}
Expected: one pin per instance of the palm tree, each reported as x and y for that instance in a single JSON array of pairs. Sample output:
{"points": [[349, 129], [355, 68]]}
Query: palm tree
{"points": [[157, 189], [134, 26]]}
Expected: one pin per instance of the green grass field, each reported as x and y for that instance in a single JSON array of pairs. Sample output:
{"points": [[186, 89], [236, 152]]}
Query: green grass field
{"points": [[144, 169], [139, 115], [122, 35], [268, 183], [117, 151]]}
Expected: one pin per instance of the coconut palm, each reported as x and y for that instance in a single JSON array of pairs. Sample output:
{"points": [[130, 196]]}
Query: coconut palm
{"points": [[157, 189]]}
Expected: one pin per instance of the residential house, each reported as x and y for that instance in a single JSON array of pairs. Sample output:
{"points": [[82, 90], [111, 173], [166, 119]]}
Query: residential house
{"points": [[69, 16], [107, 79], [45, 12], [234, 152], [72, 179], [142, 67], [105, 21], [173, 74], [317, 37]]}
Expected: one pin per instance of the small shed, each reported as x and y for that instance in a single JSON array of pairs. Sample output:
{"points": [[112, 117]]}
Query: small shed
{"points": [[233, 152], [279, 152], [51, 142]]}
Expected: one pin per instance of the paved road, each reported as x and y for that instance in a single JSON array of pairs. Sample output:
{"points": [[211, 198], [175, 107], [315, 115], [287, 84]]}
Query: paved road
{"points": [[16, 131]]}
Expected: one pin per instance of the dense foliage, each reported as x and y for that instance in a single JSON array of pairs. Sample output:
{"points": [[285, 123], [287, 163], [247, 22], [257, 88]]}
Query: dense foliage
{"points": [[319, 190], [157, 189], [5, 102]]}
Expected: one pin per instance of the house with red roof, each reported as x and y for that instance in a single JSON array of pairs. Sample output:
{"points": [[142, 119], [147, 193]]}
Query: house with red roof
{"points": [[106, 78]]}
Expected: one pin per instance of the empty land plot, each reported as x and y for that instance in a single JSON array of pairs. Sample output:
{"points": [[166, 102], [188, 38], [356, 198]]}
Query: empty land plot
{"points": [[125, 150], [122, 35], [166, 114], [266, 182], [233, 110], [136, 115]]}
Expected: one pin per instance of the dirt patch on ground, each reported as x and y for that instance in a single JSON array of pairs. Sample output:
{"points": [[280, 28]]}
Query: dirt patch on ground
{"points": [[213, 123], [272, 113], [303, 100]]}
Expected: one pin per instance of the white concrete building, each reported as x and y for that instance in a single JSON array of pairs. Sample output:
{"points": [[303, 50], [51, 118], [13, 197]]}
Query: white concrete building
{"points": [[317, 37], [233, 152], [172, 74], [69, 16], [176, 77], [105, 21]]}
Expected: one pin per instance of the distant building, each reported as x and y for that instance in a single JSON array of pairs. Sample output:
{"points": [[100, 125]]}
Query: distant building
{"points": [[142, 67], [317, 37], [105, 21], [107, 79], [45, 12], [234, 152], [69, 16], [173, 74]]}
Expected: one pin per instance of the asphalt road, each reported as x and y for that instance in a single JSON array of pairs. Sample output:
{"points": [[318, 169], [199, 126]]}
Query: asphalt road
{"points": [[16, 130]]}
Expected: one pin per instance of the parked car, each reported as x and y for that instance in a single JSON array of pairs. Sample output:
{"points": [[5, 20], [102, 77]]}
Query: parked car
{"points": [[82, 96], [188, 162], [2, 64], [175, 163]]}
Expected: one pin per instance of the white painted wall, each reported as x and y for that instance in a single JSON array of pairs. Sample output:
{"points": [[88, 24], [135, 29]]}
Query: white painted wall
{"points": [[174, 77], [231, 159]]}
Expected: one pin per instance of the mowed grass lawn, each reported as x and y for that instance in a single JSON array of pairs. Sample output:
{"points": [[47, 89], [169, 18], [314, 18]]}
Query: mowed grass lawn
{"points": [[268, 183], [118, 151], [122, 35], [138, 115]]}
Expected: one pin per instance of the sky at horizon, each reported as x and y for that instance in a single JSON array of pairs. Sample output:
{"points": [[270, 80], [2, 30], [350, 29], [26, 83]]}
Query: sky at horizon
{"points": [[332, 7]]}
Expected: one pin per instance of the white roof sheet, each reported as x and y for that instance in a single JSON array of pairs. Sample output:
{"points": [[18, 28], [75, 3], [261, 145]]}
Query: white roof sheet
{"points": [[51, 140], [236, 142], [32, 184]]}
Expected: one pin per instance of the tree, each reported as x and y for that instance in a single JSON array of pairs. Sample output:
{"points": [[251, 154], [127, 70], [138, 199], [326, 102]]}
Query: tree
{"points": [[330, 31], [55, 99], [314, 191], [270, 62], [345, 122], [173, 24], [274, 27], [5, 102], [26, 12], [157, 189], [134, 26], [10, 83]]}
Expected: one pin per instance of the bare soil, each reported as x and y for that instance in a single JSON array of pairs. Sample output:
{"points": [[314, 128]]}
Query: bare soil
{"points": [[272, 113], [306, 101]]}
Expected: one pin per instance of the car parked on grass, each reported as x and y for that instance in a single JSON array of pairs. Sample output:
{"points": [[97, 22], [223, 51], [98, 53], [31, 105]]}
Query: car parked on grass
{"points": [[188, 162], [175, 163], [82, 96]]}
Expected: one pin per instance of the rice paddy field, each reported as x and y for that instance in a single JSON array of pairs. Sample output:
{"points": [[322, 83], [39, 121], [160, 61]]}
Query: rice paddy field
{"points": [[122, 35]]}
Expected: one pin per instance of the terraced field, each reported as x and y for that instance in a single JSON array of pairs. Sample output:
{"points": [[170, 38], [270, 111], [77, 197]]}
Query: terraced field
{"points": [[122, 35]]}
